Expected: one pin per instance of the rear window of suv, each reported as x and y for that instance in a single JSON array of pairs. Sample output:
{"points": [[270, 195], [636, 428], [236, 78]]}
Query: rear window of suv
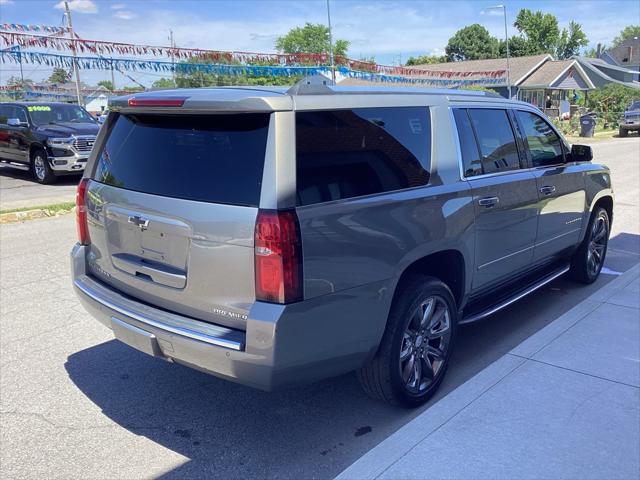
{"points": [[207, 158], [351, 153]]}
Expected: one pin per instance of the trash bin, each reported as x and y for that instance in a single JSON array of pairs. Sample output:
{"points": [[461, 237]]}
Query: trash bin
{"points": [[587, 125]]}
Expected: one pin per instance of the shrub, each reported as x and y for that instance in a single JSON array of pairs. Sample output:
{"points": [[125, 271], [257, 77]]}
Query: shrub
{"points": [[610, 101]]}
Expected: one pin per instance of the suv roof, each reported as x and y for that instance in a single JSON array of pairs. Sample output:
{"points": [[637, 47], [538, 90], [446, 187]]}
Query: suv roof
{"points": [[247, 99]]}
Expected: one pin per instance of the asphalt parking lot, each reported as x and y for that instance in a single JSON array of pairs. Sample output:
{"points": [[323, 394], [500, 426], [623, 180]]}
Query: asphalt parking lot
{"points": [[74, 403], [18, 189]]}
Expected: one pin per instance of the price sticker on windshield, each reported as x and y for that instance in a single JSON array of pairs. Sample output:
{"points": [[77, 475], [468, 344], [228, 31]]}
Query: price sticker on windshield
{"points": [[39, 108]]}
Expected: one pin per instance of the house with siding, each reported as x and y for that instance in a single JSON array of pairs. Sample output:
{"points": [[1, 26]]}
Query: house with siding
{"points": [[602, 73], [538, 79], [626, 54]]}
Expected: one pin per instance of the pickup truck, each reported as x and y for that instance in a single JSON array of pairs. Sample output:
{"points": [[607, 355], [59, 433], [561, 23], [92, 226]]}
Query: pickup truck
{"points": [[630, 121], [47, 139]]}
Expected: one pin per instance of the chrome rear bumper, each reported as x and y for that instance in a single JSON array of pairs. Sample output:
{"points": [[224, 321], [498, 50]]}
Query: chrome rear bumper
{"points": [[282, 344]]}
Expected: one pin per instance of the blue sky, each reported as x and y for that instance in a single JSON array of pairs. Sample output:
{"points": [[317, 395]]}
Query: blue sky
{"points": [[391, 31]]}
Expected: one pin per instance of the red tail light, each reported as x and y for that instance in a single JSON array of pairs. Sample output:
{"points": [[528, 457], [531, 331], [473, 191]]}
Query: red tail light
{"points": [[157, 102], [81, 212], [278, 257]]}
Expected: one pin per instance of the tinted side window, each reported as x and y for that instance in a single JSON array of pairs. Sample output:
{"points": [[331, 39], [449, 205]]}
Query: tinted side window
{"points": [[349, 153], [544, 144], [4, 113], [468, 145], [20, 113], [495, 137]]}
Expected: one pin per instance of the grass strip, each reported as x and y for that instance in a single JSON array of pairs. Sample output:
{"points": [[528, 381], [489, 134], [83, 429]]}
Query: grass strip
{"points": [[53, 209]]}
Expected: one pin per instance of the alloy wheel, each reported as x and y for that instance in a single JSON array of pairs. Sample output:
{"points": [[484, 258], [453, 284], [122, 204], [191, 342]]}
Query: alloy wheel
{"points": [[39, 167], [597, 245], [425, 344]]}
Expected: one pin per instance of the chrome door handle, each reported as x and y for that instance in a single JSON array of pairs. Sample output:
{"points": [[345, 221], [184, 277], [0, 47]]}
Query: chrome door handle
{"points": [[488, 201], [547, 189]]}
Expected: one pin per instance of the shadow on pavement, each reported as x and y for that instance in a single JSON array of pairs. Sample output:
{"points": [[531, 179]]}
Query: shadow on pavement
{"points": [[313, 431]]}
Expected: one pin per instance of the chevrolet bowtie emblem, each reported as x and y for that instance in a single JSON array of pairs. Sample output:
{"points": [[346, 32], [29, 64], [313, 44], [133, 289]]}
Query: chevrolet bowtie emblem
{"points": [[143, 223]]}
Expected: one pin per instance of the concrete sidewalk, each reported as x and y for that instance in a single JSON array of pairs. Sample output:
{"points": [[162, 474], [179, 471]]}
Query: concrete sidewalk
{"points": [[564, 404]]}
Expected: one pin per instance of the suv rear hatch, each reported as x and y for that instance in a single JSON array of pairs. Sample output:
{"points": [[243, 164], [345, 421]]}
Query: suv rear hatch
{"points": [[171, 210]]}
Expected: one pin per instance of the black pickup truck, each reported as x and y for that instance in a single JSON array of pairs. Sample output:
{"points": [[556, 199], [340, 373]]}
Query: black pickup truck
{"points": [[48, 139]]}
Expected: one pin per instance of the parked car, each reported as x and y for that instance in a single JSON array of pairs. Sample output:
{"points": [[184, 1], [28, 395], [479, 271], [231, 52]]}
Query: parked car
{"points": [[103, 116], [630, 121], [273, 237], [48, 139]]}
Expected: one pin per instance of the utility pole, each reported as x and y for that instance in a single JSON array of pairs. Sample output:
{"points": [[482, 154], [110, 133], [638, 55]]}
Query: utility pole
{"points": [[506, 40], [73, 49], [113, 78], [20, 61], [333, 69], [173, 65]]}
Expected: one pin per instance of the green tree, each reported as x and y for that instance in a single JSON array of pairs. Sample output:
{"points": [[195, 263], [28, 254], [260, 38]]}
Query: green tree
{"points": [[630, 31], [593, 52], [610, 101], [106, 84], [570, 41], [425, 60], [518, 47], [132, 89], [539, 29], [540, 33], [472, 43], [312, 38], [59, 75], [197, 79], [164, 83], [14, 81]]}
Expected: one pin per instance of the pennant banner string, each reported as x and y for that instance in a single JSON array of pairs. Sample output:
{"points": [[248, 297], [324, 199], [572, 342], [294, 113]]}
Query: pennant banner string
{"points": [[101, 47], [101, 63]]}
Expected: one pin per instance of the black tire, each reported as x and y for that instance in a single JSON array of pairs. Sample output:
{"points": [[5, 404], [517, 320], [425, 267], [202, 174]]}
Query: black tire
{"points": [[588, 260], [622, 132], [382, 378], [40, 168]]}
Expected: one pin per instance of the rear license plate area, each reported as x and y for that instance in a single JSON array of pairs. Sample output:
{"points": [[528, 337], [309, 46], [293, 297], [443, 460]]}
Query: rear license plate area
{"points": [[135, 337]]}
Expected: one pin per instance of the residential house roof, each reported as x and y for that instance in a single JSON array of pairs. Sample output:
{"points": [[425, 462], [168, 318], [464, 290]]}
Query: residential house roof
{"points": [[627, 53], [550, 72], [596, 66], [519, 67]]}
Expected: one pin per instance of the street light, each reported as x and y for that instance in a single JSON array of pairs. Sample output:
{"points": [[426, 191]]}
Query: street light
{"points": [[506, 40], [333, 70]]}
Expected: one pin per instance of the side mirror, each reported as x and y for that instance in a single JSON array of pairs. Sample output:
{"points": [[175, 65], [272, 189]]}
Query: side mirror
{"points": [[15, 122], [581, 153]]}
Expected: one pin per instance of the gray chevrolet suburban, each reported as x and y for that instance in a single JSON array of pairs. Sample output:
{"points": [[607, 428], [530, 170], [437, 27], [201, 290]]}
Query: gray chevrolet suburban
{"points": [[272, 236]]}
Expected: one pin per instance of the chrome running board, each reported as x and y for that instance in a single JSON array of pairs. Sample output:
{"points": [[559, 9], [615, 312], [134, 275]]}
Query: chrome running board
{"points": [[523, 293], [19, 166]]}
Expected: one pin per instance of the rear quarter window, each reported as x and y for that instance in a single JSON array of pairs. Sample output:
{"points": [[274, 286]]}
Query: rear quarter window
{"points": [[350, 153], [208, 158]]}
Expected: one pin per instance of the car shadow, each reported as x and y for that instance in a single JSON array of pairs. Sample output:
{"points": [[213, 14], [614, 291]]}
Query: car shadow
{"points": [[313, 431]]}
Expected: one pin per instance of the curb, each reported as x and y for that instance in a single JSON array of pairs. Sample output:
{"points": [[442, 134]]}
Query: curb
{"points": [[22, 216], [381, 457]]}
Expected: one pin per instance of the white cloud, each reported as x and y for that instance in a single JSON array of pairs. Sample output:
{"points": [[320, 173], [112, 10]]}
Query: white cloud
{"points": [[118, 6], [80, 6], [6, 2], [124, 15]]}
